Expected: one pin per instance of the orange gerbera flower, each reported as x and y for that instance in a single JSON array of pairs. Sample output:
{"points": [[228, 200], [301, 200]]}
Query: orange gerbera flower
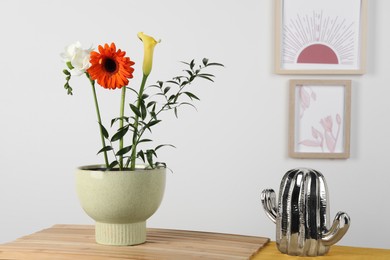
{"points": [[110, 67]]}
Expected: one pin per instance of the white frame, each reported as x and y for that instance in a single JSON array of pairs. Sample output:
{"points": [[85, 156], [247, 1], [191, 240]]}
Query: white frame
{"points": [[348, 62], [311, 108]]}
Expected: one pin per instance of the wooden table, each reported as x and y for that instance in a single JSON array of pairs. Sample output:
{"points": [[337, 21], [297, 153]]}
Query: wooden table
{"points": [[62, 242], [270, 252], [78, 242]]}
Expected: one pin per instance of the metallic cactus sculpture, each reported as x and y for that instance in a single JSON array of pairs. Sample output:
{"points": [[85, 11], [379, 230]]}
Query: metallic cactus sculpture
{"points": [[302, 214]]}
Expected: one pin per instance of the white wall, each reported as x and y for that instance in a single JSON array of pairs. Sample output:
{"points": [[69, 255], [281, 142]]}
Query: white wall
{"points": [[227, 152]]}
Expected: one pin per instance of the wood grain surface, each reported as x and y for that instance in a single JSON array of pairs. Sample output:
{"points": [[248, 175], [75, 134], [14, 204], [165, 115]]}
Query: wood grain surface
{"points": [[78, 242]]}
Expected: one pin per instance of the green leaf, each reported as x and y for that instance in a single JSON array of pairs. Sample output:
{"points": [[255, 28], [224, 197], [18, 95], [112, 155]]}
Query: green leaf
{"points": [[159, 94], [178, 79], [192, 64], [125, 118], [153, 86], [191, 95], [66, 72], [175, 111], [173, 82], [135, 110], [189, 73], [105, 149], [166, 90], [153, 114], [132, 127], [163, 145], [141, 155], [151, 103], [152, 123], [205, 77], [129, 88], [103, 131], [184, 83], [121, 132], [215, 64], [112, 165], [144, 96], [188, 104], [205, 61], [149, 156], [124, 150], [145, 140], [144, 112], [113, 121]]}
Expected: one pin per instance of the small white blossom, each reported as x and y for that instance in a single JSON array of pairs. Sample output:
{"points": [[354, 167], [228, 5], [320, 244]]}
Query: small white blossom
{"points": [[77, 57]]}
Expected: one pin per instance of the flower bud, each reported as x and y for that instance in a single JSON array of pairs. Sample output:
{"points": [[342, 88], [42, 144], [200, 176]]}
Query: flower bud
{"points": [[149, 43]]}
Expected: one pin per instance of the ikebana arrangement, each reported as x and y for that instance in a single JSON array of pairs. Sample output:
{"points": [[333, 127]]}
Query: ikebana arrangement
{"points": [[302, 214], [111, 69], [121, 194]]}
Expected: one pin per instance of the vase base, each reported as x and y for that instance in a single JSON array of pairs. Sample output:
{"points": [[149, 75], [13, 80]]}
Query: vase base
{"points": [[120, 234]]}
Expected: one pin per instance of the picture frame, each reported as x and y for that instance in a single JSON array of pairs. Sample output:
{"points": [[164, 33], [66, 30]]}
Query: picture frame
{"points": [[320, 119], [320, 37]]}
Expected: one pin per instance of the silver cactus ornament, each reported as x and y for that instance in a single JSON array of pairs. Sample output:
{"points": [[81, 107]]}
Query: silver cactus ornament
{"points": [[302, 215]]}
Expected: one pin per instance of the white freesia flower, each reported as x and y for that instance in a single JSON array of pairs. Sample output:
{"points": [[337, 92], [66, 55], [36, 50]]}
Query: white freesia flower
{"points": [[77, 57]]}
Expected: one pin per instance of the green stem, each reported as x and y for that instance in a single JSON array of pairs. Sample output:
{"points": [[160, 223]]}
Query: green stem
{"points": [[122, 114], [98, 117], [136, 123]]}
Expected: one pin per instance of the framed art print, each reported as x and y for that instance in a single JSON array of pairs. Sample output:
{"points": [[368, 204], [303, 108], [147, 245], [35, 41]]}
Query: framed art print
{"points": [[320, 119], [320, 36]]}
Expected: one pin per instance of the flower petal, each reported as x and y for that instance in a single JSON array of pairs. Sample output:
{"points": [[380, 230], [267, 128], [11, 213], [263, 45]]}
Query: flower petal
{"points": [[110, 67]]}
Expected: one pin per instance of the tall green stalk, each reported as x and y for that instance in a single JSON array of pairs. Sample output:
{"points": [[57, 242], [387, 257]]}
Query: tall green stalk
{"points": [[136, 124], [121, 115], [98, 117]]}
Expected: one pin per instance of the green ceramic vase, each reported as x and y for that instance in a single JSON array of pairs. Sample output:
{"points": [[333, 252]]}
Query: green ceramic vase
{"points": [[120, 201]]}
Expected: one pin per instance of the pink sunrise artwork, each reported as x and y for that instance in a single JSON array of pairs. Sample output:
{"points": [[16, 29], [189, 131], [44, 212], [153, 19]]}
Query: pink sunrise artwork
{"points": [[318, 53], [318, 38]]}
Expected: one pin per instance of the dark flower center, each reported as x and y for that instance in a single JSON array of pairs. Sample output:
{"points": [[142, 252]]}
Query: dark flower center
{"points": [[110, 65]]}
